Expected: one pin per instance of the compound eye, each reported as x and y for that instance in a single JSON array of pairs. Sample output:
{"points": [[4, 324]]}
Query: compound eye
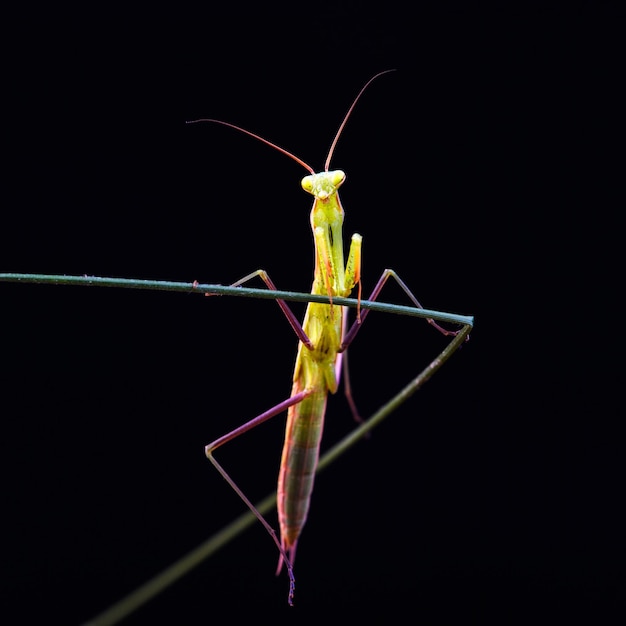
{"points": [[338, 177], [307, 183]]}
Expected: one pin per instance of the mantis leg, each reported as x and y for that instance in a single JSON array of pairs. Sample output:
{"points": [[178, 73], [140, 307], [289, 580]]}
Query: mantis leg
{"points": [[289, 314], [354, 329], [342, 369], [210, 448]]}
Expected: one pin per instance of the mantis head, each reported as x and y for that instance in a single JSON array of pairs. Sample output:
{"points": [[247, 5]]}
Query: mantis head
{"points": [[323, 184]]}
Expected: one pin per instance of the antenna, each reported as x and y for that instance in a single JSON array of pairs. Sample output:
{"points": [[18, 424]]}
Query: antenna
{"points": [[286, 152], [345, 119], [269, 143]]}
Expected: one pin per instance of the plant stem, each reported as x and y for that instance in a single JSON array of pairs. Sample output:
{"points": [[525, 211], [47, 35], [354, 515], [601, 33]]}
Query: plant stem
{"points": [[184, 565], [177, 570], [222, 290]]}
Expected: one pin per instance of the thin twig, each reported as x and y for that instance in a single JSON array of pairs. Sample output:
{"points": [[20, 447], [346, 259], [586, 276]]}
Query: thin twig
{"points": [[222, 290], [183, 566]]}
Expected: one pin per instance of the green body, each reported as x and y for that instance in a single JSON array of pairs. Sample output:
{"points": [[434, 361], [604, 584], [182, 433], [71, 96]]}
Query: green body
{"points": [[317, 368]]}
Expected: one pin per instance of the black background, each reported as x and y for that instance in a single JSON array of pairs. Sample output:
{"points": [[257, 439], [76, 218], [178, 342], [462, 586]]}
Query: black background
{"points": [[485, 171]]}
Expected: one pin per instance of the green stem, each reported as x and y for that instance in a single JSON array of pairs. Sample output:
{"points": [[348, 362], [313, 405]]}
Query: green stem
{"points": [[180, 568], [154, 586], [222, 290]]}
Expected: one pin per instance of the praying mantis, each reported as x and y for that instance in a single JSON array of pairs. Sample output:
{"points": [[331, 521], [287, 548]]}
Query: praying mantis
{"points": [[324, 337]]}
